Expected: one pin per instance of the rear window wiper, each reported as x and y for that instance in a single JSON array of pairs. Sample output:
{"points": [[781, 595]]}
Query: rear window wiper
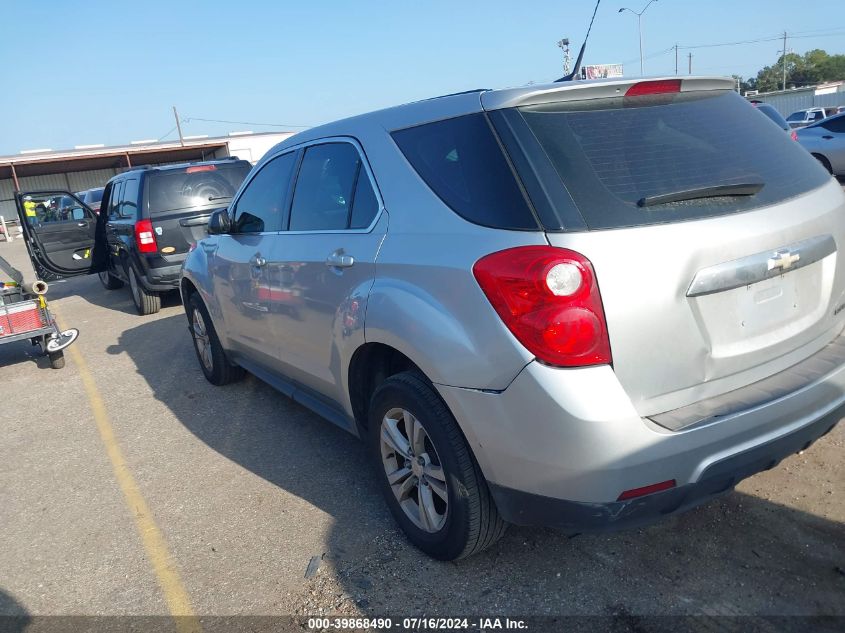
{"points": [[739, 189], [213, 198]]}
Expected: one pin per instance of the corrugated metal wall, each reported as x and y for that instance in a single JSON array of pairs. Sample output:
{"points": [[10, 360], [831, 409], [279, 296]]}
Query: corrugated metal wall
{"points": [[788, 103]]}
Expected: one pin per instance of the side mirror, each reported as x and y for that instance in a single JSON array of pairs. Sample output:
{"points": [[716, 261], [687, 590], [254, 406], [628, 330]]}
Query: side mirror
{"points": [[219, 222]]}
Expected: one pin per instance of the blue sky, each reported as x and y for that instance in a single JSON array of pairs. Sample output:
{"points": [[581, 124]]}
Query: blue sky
{"points": [[104, 72]]}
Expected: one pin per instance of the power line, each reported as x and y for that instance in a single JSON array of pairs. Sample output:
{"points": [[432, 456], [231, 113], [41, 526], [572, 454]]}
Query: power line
{"points": [[172, 130], [189, 119]]}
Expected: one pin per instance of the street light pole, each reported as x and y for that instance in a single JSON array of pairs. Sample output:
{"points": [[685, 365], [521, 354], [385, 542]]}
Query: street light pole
{"points": [[639, 29]]}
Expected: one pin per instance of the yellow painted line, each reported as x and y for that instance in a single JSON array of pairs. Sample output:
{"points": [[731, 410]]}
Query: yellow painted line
{"points": [[168, 576]]}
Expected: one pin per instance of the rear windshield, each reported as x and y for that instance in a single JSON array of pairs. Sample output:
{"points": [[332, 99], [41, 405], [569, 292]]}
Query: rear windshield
{"points": [[194, 187], [774, 115], [617, 156], [94, 195]]}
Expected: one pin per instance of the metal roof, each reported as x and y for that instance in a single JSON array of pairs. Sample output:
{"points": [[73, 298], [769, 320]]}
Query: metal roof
{"points": [[118, 156]]}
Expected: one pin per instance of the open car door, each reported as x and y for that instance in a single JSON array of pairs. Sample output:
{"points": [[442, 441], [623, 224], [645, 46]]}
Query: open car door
{"points": [[63, 235]]}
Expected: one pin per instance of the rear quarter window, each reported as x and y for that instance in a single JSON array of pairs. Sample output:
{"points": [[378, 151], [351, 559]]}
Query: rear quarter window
{"points": [[613, 153], [461, 161]]}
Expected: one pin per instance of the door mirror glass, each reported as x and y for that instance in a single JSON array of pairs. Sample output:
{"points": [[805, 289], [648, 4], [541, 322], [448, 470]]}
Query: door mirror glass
{"points": [[78, 213], [219, 222]]}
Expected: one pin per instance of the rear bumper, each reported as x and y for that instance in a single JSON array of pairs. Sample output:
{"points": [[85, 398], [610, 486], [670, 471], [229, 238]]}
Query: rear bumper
{"points": [[522, 508], [162, 278], [559, 446]]}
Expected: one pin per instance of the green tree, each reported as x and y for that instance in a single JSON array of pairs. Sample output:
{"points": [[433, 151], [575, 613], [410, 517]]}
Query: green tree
{"points": [[813, 67]]}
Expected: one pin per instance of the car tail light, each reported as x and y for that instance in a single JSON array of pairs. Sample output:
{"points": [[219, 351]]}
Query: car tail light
{"points": [[646, 490], [658, 87], [145, 237], [794, 135], [198, 168], [549, 300]]}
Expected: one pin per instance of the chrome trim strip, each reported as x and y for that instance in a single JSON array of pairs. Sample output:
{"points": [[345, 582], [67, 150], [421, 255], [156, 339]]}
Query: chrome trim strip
{"points": [[761, 266]]}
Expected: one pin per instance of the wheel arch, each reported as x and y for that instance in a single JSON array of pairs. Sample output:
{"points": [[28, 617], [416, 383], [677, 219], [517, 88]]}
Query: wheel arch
{"points": [[370, 365]]}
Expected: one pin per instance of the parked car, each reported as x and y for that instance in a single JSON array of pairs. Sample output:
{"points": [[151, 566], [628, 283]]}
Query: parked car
{"points": [[826, 141], [150, 218], [803, 118], [775, 117], [92, 197], [586, 305]]}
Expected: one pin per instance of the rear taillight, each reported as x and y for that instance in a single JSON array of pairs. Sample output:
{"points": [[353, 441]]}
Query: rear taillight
{"points": [[794, 135], [549, 299], [657, 87], [145, 237]]}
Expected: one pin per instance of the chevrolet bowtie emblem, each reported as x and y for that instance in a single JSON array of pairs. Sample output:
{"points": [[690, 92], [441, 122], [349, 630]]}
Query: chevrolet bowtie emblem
{"points": [[783, 260]]}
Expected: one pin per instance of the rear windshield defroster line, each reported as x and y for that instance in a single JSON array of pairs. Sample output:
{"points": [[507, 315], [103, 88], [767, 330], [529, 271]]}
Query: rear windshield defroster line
{"points": [[613, 153], [194, 187]]}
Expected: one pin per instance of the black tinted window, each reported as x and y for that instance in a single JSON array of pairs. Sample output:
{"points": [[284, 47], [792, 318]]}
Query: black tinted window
{"points": [[195, 186], [114, 199], [462, 163], [836, 125], [260, 207], [364, 204], [129, 199], [324, 188], [93, 195], [613, 153]]}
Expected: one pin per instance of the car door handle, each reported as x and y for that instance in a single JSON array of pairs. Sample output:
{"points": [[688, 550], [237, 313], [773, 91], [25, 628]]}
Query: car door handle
{"points": [[81, 224], [827, 137], [258, 261], [339, 260]]}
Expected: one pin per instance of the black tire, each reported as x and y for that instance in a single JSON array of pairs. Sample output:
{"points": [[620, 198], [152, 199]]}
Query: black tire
{"points": [[472, 521], [109, 281], [825, 162], [57, 359], [222, 371], [146, 301]]}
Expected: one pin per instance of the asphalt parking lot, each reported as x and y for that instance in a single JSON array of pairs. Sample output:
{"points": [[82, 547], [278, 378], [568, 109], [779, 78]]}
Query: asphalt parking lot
{"points": [[132, 486]]}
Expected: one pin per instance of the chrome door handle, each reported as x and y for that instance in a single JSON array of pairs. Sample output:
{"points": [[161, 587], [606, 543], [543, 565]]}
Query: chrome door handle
{"points": [[339, 260], [258, 261]]}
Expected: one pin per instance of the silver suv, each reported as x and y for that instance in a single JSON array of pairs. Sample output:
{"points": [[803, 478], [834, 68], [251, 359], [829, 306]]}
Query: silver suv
{"points": [[585, 305]]}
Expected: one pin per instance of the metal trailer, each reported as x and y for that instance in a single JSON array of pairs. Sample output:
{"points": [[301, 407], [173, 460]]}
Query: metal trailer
{"points": [[24, 315]]}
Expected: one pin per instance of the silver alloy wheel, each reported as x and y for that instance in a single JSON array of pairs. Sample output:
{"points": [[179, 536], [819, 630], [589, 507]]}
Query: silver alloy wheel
{"points": [[133, 286], [201, 340], [413, 470]]}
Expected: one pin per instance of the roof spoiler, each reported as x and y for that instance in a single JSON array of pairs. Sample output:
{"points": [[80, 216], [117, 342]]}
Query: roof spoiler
{"points": [[577, 69]]}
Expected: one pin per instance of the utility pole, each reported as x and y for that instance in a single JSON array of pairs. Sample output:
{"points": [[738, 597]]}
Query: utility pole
{"points": [[564, 45], [178, 127], [690, 63], [784, 60], [676, 59]]}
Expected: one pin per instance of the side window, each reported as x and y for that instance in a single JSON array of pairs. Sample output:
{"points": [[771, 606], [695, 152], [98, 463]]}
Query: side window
{"points": [[461, 161], [114, 200], [837, 126], [322, 199], [364, 203], [129, 199], [260, 207]]}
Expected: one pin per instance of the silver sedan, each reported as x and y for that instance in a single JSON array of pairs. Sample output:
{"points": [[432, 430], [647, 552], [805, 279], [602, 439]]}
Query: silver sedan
{"points": [[826, 141]]}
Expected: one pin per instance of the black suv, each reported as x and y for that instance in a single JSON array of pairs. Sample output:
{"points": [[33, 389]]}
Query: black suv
{"points": [[153, 215]]}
